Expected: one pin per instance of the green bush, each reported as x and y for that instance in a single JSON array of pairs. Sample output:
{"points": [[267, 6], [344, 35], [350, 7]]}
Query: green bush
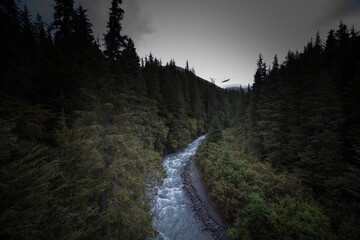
{"points": [[254, 222], [297, 219]]}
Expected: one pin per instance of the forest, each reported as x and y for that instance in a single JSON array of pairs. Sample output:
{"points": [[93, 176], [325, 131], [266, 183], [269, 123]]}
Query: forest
{"points": [[84, 128], [285, 163], [83, 131]]}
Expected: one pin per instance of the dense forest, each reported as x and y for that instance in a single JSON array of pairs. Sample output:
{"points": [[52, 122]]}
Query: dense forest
{"points": [[285, 164], [84, 127]]}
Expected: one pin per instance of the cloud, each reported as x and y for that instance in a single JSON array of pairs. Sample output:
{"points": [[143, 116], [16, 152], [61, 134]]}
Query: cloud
{"points": [[353, 5], [136, 24], [346, 8], [97, 11], [39, 7], [339, 9]]}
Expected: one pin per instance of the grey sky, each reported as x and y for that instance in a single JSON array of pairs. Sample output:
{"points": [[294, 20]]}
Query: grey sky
{"points": [[220, 38]]}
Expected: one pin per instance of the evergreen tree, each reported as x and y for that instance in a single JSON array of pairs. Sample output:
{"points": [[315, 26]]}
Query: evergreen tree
{"points": [[132, 73], [114, 41], [318, 47], [152, 78], [40, 32], [256, 107], [196, 104], [27, 27], [63, 22], [275, 65], [187, 68], [272, 116], [331, 45], [260, 71], [172, 92], [82, 28], [215, 129], [9, 15], [343, 36]]}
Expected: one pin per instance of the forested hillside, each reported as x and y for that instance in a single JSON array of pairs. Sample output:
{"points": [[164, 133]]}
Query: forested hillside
{"points": [[83, 131], [286, 165], [84, 127]]}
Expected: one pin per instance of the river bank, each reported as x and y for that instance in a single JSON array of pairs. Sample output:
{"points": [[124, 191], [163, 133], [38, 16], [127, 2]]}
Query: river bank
{"points": [[202, 206], [173, 216]]}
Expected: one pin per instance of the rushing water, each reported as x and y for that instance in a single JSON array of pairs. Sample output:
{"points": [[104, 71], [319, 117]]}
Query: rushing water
{"points": [[173, 216]]}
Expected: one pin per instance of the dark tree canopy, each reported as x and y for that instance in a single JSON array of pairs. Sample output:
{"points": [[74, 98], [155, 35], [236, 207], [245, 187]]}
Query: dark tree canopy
{"points": [[81, 137], [63, 21], [114, 41], [82, 27], [83, 132]]}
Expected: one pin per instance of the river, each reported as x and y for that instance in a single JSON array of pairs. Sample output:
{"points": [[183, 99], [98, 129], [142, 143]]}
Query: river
{"points": [[173, 216]]}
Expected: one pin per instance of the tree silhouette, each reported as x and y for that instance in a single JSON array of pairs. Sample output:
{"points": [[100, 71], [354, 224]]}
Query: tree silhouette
{"points": [[63, 21], [114, 41]]}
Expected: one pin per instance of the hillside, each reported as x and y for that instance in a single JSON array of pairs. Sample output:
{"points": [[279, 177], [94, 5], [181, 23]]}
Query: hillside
{"points": [[287, 165], [83, 132], [84, 129]]}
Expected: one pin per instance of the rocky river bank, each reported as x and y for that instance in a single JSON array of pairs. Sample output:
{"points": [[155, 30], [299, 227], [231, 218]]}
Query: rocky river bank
{"points": [[201, 204]]}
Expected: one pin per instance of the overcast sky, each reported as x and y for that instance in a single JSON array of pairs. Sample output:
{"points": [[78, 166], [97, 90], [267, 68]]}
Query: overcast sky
{"points": [[220, 38]]}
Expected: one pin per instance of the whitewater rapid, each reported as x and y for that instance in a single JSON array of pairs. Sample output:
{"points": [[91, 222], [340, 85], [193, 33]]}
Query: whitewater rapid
{"points": [[174, 219]]}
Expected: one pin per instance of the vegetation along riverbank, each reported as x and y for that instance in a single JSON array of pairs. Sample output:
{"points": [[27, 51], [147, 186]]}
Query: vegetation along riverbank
{"points": [[84, 127]]}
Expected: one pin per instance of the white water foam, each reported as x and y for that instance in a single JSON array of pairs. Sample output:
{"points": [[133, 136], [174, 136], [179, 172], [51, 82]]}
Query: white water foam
{"points": [[173, 216]]}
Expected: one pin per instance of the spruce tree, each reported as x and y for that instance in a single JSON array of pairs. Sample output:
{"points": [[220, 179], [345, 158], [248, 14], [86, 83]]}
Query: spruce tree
{"points": [[260, 71], [134, 80], [343, 36], [256, 107], [330, 45], [152, 78], [82, 27], [63, 21], [318, 47], [215, 129], [27, 27], [275, 65], [114, 41], [40, 32]]}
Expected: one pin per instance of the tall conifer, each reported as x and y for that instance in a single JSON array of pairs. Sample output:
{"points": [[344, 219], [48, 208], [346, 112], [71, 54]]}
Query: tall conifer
{"points": [[82, 27], [114, 41], [63, 20]]}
